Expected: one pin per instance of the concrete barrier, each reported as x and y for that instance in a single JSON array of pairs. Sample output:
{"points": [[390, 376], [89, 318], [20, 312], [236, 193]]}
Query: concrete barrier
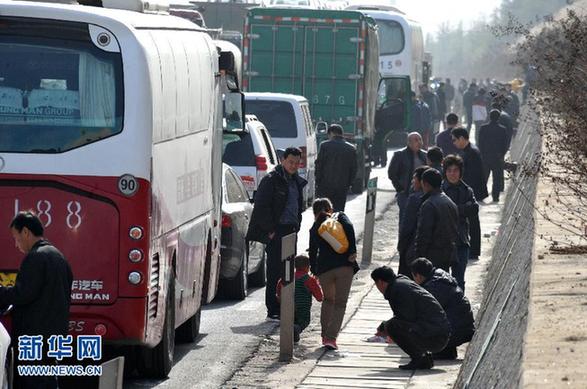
{"points": [[494, 356]]}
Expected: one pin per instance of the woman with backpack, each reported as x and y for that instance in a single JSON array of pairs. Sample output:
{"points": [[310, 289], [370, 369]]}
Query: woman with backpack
{"points": [[333, 258]]}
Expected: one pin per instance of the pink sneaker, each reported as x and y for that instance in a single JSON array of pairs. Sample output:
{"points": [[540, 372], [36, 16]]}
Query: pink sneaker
{"points": [[329, 344]]}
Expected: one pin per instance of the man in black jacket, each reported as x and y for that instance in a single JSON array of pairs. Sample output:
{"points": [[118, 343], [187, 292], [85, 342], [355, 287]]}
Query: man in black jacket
{"points": [[407, 227], [419, 325], [474, 176], [336, 168], [493, 144], [464, 198], [437, 230], [445, 290], [277, 212], [402, 166], [42, 292], [468, 97]]}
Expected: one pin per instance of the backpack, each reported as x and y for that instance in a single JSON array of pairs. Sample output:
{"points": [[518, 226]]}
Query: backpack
{"points": [[332, 231]]}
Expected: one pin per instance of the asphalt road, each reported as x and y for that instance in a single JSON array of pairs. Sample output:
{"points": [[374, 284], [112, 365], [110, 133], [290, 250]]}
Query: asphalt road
{"points": [[232, 330]]}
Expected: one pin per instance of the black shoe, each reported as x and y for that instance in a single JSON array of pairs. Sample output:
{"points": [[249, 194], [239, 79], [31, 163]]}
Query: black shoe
{"points": [[449, 354], [273, 317], [496, 199], [425, 362]]}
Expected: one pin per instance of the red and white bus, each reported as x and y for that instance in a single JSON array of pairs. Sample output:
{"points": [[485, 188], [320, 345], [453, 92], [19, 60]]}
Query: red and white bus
{"points": [[111, 131]]}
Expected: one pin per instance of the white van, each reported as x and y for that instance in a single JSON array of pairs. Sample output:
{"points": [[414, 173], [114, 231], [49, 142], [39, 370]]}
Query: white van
{"points": [[250, 153], [287, 117]]}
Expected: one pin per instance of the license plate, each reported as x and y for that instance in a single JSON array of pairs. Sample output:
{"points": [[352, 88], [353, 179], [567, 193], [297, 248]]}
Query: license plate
{"points": [[7, 278]]}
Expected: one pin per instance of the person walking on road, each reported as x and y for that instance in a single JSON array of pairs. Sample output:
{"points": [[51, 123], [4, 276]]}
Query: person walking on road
{"points": [[464, 198], [444, 139], [402, 166], [474, 176], [335, 271], [336, 168], [277, 212], [479, 111], [41, 295], [468, 97], [493, 144], [407, 228], [450, 94], [451, 297], [419, 325], [431, 99], [437, 230]]}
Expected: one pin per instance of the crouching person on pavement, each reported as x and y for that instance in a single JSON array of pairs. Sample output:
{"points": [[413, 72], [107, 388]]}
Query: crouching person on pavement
{"points": [[444, 288], [335, 271], [419, 325], [306, 286]]}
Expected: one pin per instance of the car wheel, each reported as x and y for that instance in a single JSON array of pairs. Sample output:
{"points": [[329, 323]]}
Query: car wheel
{"points": [[259, 278], [236, 288]]}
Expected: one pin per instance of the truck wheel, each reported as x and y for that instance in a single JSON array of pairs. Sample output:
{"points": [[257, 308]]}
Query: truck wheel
{"points": [[188, 332], [157, 362], [259, 278], [236, 289], [357, 187]]}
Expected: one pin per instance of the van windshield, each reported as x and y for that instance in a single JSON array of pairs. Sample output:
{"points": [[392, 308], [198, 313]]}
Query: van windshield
{"points": [[277, 116], [57, 92]]}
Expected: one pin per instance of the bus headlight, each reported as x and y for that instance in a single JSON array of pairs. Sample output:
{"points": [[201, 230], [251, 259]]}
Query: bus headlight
{"points": [[135, 232], [135, 255], [135, 277]]}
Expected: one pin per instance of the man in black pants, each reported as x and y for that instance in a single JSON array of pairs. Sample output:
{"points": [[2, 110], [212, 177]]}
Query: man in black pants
{"points": [[277, 212], [336, 168], [451, 297], [419, 325]]}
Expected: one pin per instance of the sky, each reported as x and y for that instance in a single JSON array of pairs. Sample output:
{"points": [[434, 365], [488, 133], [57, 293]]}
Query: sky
{"points": [[431, 13]]}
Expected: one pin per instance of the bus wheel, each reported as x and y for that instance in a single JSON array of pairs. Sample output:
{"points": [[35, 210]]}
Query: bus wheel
{"points": [[188, 332], [157, 362]]}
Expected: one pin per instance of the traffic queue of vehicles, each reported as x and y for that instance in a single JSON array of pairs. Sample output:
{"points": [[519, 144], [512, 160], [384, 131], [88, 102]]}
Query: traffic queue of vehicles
{"points": [[133, 113]]}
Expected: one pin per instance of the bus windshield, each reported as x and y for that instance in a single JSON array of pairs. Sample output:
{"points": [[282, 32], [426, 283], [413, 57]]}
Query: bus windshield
{"points": [[391, 37], [56, 92]]}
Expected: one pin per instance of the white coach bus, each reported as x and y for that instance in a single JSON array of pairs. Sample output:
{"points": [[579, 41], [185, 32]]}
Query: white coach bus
{"points": [[111, 131]]}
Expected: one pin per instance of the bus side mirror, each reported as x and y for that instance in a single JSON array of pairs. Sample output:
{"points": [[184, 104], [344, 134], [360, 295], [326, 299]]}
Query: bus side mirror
{"points": [[321, 128]]}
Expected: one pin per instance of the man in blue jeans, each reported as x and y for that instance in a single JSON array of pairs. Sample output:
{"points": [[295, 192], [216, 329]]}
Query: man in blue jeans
{"points": [[464, 198]]}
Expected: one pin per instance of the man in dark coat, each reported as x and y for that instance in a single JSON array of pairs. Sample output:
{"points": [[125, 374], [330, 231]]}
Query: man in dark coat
{"points": [[41, 295], [506, 121], [474, 176], [431, 99], [468, 97], [445, 290], [464, 198], [419, 325], [407, 228], [444, 139], [336, 168], [402, 166], [436, 234], [493, 144], [277, 212]]}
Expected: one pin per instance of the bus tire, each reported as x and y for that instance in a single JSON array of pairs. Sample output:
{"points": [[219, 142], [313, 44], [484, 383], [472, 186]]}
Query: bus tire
{"points": [[188, 332], [259, 277], [236, 289], [158, 361]]}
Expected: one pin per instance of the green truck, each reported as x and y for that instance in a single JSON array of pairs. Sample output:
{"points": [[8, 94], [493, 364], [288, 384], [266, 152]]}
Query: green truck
{"points": [[330, 57]]}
